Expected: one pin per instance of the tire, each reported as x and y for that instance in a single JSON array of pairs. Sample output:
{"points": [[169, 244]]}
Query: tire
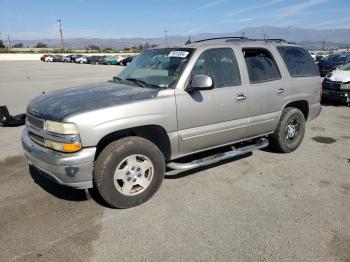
{"points": [[117, 175], [290, 130]]}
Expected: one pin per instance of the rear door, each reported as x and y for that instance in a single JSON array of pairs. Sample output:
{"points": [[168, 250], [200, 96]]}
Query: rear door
{"points": [[265, 90], [210, 118]]}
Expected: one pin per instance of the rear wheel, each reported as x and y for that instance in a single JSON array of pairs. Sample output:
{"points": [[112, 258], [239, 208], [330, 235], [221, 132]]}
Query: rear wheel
{"points": [[129, 171], [290, 130]]}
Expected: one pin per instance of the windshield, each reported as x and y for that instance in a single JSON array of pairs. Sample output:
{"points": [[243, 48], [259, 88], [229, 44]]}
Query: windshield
{"points": [[157, 67], [336, 58], [345, 67]]}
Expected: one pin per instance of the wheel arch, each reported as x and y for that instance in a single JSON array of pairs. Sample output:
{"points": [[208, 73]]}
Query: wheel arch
{"points": [[302, 105], [154, 133]]}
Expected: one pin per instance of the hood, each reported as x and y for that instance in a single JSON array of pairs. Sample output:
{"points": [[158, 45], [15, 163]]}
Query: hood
{"points": [[340, 76], [59, 104]]}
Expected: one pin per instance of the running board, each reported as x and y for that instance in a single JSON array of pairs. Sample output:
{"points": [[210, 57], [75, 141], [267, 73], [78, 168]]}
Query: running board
{"points": [[261, 143]]}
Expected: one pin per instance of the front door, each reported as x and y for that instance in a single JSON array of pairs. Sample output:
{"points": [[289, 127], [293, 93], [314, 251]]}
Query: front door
{"points": [[210, 118]]}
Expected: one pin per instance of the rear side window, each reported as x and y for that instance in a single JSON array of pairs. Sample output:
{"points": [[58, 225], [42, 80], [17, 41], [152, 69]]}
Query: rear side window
{"points": [[298, 61], [220, 64], [261, 65]]}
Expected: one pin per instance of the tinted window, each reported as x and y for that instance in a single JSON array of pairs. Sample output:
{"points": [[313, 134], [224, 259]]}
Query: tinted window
{"points": [[298, 61], [261, 65], [220, 64]]}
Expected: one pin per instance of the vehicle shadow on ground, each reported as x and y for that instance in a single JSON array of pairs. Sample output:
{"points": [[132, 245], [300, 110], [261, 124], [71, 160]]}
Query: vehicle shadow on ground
{"points": [[63, 192], [79, 195]]}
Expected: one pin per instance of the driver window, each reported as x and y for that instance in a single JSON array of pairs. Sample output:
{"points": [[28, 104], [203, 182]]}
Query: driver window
{"points": [[220, 64]]}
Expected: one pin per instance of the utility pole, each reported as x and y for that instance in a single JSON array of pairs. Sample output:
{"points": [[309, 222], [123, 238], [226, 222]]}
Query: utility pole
{"points": [[322, 44], [8, 41], [166, 37], [61, 33], [243, 33]]}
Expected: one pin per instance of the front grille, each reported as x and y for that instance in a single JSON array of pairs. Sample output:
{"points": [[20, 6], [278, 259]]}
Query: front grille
{"points": [[36, 138], [35, 122], [331, 85], [35, 128]]}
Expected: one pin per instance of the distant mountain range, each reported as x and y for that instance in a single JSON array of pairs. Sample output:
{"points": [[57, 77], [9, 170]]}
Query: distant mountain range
{"points": [[309, 38]]}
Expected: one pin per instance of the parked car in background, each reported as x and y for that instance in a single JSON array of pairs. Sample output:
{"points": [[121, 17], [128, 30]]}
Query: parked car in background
{"points": [[74, 57], [336, 85], [57, 58], [49, 58], [96, 60], [331, 62], [82, 60], [42, 58], [67, 58], [126, 61], [110, 60], [316, 57]]}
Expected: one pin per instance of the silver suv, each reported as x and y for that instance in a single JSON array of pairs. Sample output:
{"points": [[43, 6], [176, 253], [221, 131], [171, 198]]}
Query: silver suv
{"points": [[120, 135]]}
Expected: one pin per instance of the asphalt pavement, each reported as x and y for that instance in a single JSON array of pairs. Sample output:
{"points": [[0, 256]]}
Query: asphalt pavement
{"points": [[261, 207]]}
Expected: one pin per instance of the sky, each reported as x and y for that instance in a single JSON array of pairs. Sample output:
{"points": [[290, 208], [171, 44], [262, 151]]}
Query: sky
{"points": [[37, 19]]}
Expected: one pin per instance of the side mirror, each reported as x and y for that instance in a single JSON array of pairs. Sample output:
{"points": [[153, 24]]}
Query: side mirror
{"points": [[200, 82]]}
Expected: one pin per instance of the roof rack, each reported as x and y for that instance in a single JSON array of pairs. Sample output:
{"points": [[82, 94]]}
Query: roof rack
{"points": [[222, 38], [278, 40], [242, 38]]}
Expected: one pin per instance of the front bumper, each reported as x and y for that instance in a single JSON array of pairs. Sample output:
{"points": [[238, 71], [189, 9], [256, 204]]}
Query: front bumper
{"points": [[343, 96], [73, 169]]}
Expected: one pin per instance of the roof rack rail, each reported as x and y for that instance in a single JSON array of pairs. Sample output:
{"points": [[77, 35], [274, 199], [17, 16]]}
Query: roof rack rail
{"points": [[276, 40], [279, 40], [222, 38], [242, 38]]}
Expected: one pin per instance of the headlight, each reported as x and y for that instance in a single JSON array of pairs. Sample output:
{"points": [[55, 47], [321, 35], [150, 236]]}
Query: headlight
{"points": [[345, 86], [61, 128], [68, 148]]}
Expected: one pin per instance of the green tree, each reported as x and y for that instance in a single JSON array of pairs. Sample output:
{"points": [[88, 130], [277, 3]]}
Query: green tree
{"points": [[109, 50], [40, 45], [2, 44]]}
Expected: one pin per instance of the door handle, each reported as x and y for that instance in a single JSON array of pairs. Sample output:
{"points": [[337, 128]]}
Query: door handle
{"points": [[280, 91], [241, 97]]}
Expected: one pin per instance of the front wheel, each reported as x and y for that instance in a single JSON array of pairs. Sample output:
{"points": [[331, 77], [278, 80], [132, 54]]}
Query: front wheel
{"points": [[129, 171], [290, 130]]}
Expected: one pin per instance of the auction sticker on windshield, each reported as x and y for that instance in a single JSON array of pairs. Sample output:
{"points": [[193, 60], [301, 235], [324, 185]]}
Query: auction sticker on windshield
{"points": [[181, 54]]}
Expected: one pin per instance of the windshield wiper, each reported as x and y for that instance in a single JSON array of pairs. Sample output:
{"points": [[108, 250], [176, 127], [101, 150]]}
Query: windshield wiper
{"points": [[142, 83], [137, 82], [117, 79]]}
